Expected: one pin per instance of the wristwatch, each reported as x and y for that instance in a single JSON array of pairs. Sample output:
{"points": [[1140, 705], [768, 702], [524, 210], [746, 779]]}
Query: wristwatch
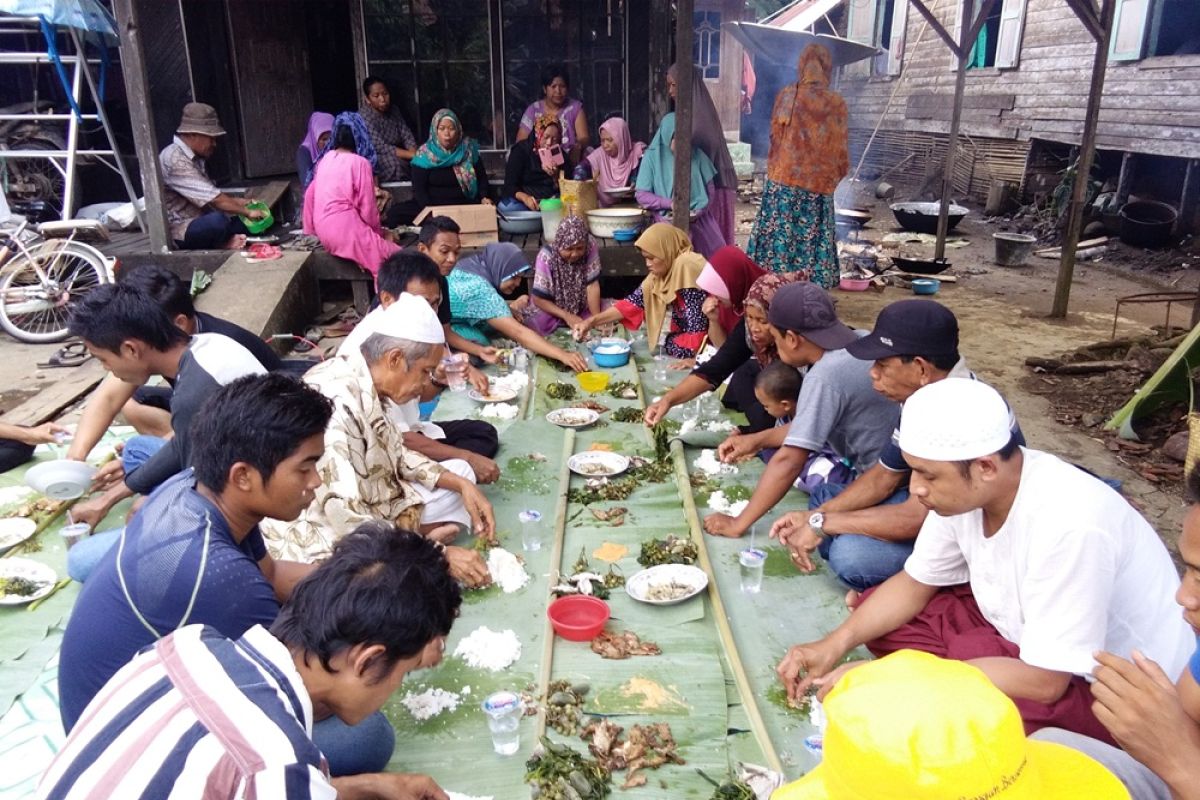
{"points": [[816, 521]]}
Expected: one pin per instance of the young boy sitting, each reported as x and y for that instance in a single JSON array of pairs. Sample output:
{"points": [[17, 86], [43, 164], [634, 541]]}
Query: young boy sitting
{"points": [[777, 386]]}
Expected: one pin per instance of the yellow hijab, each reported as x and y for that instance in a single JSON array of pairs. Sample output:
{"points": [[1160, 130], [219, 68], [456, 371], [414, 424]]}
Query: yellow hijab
{"points": [[672, 245]]}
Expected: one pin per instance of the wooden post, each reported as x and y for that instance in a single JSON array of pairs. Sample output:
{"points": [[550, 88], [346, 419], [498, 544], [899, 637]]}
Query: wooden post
{"points": [[1124, 180], [1083, 169], [960, 83], [681, 194], [137, 88]]}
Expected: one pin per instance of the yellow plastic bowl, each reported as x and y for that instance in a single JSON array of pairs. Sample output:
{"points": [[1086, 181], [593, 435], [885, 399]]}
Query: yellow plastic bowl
{"points": [[593, 381]]}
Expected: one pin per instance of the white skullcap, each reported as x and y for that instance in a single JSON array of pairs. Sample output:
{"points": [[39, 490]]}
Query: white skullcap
{"points": [[410, 317], [954, 419]]}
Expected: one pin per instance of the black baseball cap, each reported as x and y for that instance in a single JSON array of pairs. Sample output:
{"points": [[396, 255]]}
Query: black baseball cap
{"points": [[909, 328], [807, 309]]}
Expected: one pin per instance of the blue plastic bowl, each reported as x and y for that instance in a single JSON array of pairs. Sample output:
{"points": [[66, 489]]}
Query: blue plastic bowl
{"points": [[611, 355], [926, 285], [626, 234]]}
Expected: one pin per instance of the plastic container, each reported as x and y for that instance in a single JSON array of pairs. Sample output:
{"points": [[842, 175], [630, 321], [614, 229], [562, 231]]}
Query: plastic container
{"points": [[552, 215], [593, 381], [504, 711], [71, 534], [531, 529], [926, 286], [854, 284], [577, 617], [257, 226], [611, 355], [626, 234], [61, 480], [1013, 249], [1147, 223]]}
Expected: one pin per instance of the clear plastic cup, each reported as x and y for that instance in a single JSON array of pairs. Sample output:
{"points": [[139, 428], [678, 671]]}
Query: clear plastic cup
{"points": [[752, 561], [504, 711], [455, 367], [531, 529], [72, 533]]}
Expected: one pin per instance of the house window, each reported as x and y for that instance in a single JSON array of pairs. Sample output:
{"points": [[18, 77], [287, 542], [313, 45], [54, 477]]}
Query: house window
{"points": [[434, 54], [881, 24], [1144, 28], [706, 43], [1174, 28], [983, 51]]}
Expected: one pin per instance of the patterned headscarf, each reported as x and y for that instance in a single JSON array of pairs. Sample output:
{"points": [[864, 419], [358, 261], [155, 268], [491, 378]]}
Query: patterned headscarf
{"points": [[570, 278], [760, 295], [462, 157], [545, 120], [496, 263], [362, 141]]}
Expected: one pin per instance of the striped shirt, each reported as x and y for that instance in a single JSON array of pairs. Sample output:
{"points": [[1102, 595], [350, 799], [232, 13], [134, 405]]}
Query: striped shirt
{"points": [[196, 716]]}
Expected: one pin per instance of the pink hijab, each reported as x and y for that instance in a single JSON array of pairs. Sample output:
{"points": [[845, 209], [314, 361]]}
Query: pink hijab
{"points": [[613, 173]]}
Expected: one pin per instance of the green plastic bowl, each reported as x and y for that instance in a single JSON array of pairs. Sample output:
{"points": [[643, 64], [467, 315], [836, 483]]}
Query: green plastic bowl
{"points": [[257, 226]]}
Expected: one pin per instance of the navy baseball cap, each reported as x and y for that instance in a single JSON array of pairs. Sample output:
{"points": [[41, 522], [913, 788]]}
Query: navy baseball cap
{"points": [[909, 328]]}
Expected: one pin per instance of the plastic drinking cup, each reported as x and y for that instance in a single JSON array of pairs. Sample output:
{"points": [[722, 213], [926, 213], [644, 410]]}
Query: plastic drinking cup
{"points": [[752, 561], [531, 529], [504, 711], [74, 532]]}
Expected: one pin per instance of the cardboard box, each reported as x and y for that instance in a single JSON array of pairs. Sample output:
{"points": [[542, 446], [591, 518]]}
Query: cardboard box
{"points": [[478, 222]]}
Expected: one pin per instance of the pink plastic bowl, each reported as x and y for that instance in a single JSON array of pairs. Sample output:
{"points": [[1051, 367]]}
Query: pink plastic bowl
{"points": [[577, 617], [854, 284]]}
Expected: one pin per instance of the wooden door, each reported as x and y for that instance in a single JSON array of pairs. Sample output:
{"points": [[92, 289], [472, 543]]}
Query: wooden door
{"points": [[273, 86]]}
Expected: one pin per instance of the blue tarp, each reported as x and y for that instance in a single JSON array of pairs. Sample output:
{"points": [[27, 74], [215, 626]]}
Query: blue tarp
{"points": [[86, 15]]}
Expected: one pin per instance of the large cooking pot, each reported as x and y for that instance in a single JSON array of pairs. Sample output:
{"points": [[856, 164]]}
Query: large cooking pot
{"points": [[1147, 223], [923, 217]]}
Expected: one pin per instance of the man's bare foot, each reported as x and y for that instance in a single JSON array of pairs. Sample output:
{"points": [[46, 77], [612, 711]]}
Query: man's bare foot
{"points": [[444, 532], [236, 242], [852, 598]]}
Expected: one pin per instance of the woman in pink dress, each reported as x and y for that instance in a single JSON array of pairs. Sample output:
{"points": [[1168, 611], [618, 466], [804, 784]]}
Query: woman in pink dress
{"points": [[340, 205]]}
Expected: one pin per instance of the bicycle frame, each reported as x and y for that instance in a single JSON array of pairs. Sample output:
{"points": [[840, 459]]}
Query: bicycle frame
{"points": [[46, 294]]}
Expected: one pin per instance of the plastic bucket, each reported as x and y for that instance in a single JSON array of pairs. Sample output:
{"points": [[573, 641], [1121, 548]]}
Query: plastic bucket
{"points": [[1013, 249]]}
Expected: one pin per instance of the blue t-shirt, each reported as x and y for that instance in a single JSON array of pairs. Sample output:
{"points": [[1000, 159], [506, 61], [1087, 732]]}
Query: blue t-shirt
{"points": [[164, 547]]}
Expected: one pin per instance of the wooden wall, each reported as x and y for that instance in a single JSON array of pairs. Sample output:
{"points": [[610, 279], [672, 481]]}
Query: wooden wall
{"points": [[1149, 106]]}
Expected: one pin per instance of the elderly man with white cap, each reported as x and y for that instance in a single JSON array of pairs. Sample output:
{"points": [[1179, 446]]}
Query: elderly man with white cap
{"points": [[366, 472], [188, 191], [1026, 568]]}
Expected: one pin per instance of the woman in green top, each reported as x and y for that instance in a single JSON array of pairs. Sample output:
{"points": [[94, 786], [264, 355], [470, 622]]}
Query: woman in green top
{"points": [[477, 308]]}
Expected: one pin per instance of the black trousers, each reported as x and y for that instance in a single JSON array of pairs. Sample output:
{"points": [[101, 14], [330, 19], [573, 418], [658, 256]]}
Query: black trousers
{"points": [[474, 435], [14, 454]]}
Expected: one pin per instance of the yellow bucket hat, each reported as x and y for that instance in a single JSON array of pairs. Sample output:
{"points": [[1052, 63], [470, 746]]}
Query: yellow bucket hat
{"points": [[913, 726]]}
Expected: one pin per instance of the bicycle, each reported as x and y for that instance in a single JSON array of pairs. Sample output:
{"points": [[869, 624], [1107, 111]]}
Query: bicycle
{"points": [[39, 280]]}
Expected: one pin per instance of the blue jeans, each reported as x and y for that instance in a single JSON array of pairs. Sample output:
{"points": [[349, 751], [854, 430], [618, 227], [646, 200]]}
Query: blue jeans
{"points": [[83, 558], [355, 750], [211, 231], [860, 561]]}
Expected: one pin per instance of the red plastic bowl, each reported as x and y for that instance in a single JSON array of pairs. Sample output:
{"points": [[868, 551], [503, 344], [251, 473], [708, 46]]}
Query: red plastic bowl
{"points": [[577, 617]]}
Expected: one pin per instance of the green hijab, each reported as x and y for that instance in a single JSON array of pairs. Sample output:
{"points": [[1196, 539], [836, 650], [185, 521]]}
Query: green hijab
{"points": [[657, 172]]}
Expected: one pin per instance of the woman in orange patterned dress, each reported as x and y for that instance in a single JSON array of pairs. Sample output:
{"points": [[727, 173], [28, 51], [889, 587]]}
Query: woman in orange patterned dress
{"points": [[795, 229]]}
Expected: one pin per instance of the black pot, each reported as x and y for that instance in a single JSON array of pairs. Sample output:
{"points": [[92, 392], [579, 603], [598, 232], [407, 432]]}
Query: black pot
{"points": [[1147, 223], [921, 266], [923, 217]]}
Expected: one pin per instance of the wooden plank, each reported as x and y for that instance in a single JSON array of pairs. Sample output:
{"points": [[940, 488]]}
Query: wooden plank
{"points": [[1085, 11], [133, 68], [937, 26], [48, 403]]}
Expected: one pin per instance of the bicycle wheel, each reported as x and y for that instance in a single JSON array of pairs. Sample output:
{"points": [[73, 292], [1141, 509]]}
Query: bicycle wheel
{"points": [[39, 286]]}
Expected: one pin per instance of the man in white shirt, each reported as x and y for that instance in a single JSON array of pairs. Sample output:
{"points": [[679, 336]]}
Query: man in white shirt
{"points": [[1027, 567]]}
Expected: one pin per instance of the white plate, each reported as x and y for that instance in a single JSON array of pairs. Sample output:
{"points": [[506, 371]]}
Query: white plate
{"points": [[692, 577], [30, 570], [493, 396], [573, 417], [14, 530], [597, 463]]}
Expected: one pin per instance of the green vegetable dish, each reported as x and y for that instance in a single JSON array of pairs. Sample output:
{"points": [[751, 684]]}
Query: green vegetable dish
{"points": [[671, 550]]}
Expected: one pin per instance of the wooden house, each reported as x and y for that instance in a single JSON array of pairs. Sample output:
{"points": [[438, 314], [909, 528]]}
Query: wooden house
{"points": [[1026, 94]]}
